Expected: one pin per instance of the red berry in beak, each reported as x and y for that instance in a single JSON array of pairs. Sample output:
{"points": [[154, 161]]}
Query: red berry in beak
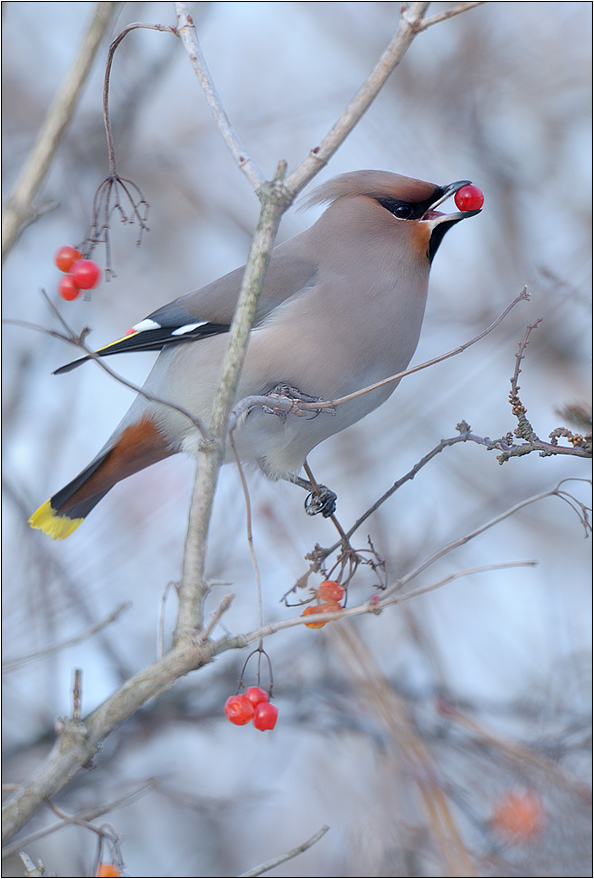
{"points": [[469, 198]]}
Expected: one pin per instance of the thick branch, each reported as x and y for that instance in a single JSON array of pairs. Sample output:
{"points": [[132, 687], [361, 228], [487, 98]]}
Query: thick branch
{"points": [[79, 742], [192, 589]]}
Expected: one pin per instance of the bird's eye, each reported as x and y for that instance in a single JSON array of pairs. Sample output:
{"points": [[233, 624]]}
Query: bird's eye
{"points": [[402, 211]]}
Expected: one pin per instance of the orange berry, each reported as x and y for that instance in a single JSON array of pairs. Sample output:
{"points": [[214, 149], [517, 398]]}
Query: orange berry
{"points": [[518, 815], [320, 608], [105, 869], [330, 590]]}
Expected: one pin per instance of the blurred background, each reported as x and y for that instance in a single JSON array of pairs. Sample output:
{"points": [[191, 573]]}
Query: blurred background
{"points": [[405, 732]]}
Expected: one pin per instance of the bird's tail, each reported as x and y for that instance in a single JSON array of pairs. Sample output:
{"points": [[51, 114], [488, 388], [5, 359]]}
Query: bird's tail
{"points": [[137, 446]]}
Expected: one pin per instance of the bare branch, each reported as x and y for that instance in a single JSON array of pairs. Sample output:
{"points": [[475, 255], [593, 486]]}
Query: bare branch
{"points": [[331, 404], [443, 444], [192, 589], [269, 865], [449, 13], [216, 616], [70, 336], [581, 446], [249, 530], [554, 492], [20, 209], [394, 52], [189, 38], [466, 572], [77, 695], [11, 664], [161, 622], [110, 55], [79, 742], [83, 815], [393, 594]]}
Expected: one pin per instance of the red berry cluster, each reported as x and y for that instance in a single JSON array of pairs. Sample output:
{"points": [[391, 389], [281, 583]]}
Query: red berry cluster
{"points": [[80, 274], [330, 594], [252, 705]]}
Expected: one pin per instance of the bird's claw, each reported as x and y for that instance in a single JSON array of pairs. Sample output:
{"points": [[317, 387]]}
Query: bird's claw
{"points": [[322, 501], [296, 397]]}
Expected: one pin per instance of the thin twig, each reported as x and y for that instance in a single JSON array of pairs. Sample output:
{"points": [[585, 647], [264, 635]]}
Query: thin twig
{"points": [[83, 815], [331, 404], [449, 13], [161, 622], [249, 530], [113, 46], [443, 444], [11, 664], [467, 572], [580, 447], [73, 819], [71, 337], [269, 865], [216, 616], [77, 696], [554, 492]]}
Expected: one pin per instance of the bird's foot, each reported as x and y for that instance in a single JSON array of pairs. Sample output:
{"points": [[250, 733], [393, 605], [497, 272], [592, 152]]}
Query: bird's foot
{"points": [[322, 501], [296, 397]]}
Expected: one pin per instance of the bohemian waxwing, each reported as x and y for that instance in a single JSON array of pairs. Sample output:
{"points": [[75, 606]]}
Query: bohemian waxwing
{"points": [[341, 308]]}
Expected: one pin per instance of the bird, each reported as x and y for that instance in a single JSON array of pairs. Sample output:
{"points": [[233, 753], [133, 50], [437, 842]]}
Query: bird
{"points": [[341, 308]]}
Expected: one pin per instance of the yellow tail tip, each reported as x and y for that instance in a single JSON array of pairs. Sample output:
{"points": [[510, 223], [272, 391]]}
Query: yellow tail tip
{"points": [[47, 520]]}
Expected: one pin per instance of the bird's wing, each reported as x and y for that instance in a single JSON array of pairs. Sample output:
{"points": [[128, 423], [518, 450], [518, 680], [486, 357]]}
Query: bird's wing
{"points": [[209, 311]]}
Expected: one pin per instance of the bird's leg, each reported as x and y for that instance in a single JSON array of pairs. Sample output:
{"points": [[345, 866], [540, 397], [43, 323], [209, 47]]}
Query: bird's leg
{"points": [[320, 498]]}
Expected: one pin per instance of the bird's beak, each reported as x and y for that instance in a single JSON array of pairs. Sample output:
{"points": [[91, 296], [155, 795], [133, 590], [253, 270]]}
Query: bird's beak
{"points": [[439, 223], [436, 217]]}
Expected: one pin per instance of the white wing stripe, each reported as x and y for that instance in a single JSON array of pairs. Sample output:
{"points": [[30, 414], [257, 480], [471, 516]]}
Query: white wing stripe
{"points": [[188, 328], [146, 324]]}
